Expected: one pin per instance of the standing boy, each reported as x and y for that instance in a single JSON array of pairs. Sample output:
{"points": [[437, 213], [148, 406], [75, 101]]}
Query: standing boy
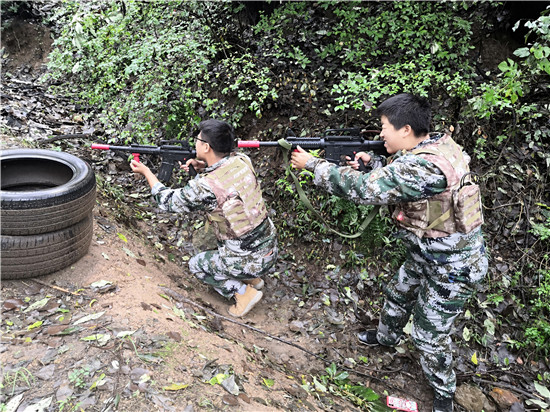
{"points": [[228, 190], [437, 208]]}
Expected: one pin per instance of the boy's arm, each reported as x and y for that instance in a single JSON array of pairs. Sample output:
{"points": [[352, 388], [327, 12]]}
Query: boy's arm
{"points": [[140, 168], [196, 195], [407, 179]]}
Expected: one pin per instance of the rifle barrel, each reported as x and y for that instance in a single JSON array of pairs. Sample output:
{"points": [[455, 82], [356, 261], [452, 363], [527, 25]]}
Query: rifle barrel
{"points": [[312, 143]]}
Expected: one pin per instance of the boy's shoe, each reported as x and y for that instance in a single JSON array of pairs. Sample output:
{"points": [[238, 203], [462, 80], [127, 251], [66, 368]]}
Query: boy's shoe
{"points": [[368, 337], [442, 404], [245, 302], [256, 283]]}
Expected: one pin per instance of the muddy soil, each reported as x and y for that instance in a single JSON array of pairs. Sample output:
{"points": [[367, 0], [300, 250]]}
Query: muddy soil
{"points": [[151, 336]]}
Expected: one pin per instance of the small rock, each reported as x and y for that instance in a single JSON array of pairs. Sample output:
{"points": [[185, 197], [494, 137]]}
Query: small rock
{"points": [[472, 399], [504, 398], [137, 373], [46, 373], [296, 326], [230, 400], [244, 397], [64, 391]]}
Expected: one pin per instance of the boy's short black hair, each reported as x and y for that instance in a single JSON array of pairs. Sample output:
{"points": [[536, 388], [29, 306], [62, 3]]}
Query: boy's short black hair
{"points": [[407, 109], [219, 135]]}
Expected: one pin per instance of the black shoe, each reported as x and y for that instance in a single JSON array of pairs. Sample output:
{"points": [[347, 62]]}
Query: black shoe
{"points": [[368, 337], [442, 404]]}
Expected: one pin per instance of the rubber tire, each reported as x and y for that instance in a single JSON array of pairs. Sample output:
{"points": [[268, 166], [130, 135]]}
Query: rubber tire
{"points": [[36, 255], [43, 191]]}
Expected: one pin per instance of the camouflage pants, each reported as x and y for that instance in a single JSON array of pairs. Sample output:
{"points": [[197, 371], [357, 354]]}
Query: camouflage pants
{"points": [[435, 294], [226, 273]]}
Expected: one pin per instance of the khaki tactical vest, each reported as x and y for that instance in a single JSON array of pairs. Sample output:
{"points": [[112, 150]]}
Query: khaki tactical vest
{"points": [[241, 206], [457, 209]]}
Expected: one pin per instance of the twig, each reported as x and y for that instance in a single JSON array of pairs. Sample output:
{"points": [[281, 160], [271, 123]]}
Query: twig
{"points": [[56, 287], [501, 206], [506, 386], [62, 137], [181, 298], [16, 39]]}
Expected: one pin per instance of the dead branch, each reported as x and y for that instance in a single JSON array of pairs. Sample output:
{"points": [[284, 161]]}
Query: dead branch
{"points": [[180, 298], [63, 137], [56, 287]]}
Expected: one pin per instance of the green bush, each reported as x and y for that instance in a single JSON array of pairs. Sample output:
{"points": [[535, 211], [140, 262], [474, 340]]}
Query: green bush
{"points": [[140, 80], [508, 99]]}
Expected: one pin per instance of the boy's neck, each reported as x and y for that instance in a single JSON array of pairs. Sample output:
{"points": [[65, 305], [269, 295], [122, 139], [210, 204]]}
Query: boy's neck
{"points": [[212, 159], [411, 141]]}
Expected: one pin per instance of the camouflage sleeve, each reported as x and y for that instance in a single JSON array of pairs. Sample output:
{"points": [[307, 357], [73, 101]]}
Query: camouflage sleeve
{"points": [[408, 178], [196, 195]]}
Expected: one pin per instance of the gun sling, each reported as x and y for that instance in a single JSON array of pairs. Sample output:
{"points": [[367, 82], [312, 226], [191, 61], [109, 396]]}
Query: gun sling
{"points": [[286, 147]]}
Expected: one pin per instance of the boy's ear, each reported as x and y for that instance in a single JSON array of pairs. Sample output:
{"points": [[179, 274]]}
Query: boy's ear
{"points": [[407, 130]]}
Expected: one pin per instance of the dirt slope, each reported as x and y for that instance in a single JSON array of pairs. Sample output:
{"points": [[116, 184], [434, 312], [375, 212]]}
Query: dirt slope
{"points": [[151, 337]]}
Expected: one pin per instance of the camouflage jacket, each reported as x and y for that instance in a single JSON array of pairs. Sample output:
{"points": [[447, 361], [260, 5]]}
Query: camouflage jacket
{"points": [[197, 195], [408, 178]]}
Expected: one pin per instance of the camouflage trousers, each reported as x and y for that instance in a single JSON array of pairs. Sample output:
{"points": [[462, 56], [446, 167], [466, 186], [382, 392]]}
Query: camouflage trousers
{"points": [[226, 273], [434, 294]]}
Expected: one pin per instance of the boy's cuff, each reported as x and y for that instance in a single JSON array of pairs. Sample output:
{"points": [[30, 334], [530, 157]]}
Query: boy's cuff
{"points": [[312, 163], [156, 188]]}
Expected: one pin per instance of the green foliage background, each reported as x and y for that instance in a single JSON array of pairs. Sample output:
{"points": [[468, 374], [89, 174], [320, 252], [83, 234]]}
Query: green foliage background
{"points": [[152, 70]]}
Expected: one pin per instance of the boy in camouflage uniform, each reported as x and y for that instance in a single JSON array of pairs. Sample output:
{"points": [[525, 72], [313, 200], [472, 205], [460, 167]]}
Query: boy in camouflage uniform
{"points": [[446, 251], [228, 190]]}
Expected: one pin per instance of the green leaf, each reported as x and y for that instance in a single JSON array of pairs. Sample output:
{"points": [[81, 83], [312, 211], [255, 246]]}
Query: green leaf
{"points": [[219, 378], [87, 318], [37, 305], [489, 327], [364, 393], [124, 333], [522, 52], [268, 382], [175, 387], [319, 386], [466, 334], [101, 338], [543, 390], [35, 325], [503, 66], [99, 381], [129, 252]]}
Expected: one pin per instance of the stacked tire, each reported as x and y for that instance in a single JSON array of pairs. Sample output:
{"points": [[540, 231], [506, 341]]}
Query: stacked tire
{"points": [[46, 220]]}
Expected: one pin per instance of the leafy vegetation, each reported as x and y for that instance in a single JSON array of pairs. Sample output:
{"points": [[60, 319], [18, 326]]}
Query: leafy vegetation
{"points": [[139, 79]]}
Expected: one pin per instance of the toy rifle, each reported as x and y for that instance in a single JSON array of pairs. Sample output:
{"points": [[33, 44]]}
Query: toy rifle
{"points": [[337, 144], [169, 154]]}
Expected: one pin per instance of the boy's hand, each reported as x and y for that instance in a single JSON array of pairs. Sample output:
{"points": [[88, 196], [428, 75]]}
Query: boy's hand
{"points": [[299, 158], [365, 157], [199, 165], [138, 167]]}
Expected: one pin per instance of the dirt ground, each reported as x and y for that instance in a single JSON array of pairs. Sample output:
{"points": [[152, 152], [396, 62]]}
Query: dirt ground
{"points": [[181, 340]]}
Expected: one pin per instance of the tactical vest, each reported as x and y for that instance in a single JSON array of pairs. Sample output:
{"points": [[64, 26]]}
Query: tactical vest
{"points": [[457, 209], [241, 206]]}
